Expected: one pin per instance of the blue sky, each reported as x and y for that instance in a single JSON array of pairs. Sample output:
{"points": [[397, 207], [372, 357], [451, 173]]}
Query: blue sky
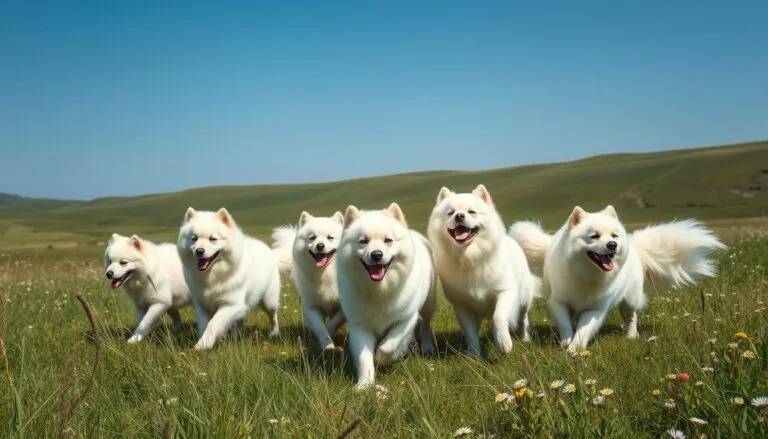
{"points": [[105, 98]]}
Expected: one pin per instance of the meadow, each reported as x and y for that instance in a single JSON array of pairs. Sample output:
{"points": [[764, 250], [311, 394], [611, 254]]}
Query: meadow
{"points": [[699, 367]]}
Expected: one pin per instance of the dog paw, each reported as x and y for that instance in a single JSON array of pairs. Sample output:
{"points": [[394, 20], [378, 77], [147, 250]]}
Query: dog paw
{"points": [[135, 339], [566, 342], [275, 333], [632, 334], [363, 384]]}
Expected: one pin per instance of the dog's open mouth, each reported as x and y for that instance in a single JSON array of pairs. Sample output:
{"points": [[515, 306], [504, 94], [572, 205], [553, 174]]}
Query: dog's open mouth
{"points": [[322, 259], [463, 234], [205, 263], [117, 283], [376, 271], [605, 262]]}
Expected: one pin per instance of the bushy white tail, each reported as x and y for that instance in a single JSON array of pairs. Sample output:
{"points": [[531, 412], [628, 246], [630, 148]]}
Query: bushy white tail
{"points": [[282, 245], [676, 254], [534, 241]]}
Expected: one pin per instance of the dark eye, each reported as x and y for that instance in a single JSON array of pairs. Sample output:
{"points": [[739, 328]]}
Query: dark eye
{"points": [[614, 235], [363, 241], [330, 237], [123, 262], [213, 239], [194, 238], [471, 212], [450, 212], [594, 236], [311, 237], [387, 240]]}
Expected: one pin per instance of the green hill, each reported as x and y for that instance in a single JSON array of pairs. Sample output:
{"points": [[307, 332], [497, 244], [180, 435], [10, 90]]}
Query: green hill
{"points": [[707, 183]]}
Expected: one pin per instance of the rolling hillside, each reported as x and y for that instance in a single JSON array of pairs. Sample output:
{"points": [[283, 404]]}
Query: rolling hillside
{"points": [[708, 183]]}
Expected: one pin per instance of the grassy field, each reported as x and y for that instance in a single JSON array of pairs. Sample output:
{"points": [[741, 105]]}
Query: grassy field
{"points": [[63, 379], [258, 388]]}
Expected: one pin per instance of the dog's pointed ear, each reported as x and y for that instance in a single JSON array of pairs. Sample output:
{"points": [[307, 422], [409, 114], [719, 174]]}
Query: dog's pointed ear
{"points": [[137, 243], [191, 213], [114, 238], [610, 210], [394, 211], [351, 215], [443, 194], [576, 216], [338, 217], [304, 218], [482, 193], [224, 216]]}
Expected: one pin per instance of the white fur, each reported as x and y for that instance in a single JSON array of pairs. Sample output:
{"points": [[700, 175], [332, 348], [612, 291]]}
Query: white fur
{"points": [[244, 275], [296, 247], [668, 256], [155, 282], [383, 315], [534, 242], [485, 277]]}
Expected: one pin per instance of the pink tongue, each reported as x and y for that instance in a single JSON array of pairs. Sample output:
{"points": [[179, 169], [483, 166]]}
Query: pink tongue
{"points": [[202, 264], [377, 271], [461, 234], [116, 283], [322, 261], [606, 262]]}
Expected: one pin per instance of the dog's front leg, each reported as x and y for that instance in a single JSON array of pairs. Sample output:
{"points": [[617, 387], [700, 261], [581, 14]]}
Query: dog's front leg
{"points": [[396, 338], [589, 323], [470, 326], [506, 313], [361, 345], [562, 317], [314, 320], [336, 322], [218, 326], [149, 321]]}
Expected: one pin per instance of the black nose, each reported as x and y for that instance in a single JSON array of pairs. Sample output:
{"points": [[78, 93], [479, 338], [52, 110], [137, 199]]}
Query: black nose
{"points": [[459, 217], [199, 252], [611, 245], [320, 246], [110, 273], [377, 255]]}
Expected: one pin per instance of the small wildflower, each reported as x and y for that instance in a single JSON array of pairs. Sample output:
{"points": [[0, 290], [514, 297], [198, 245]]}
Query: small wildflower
{"points": [[655, 392], [749, 355], [675, 434], [570, 388], [501, 397], [519, 384], [382, 392], [590, 382], [519, 393], [708, 369], [463, 431], [653, 338], [671, 376], [273, 421], [712, 341], [741, 335], [554, 385], [733, 346], [738, 401], [759, 402], [670, 403], [584, 353], [698, 421], [699, 383], [598, 400], [606, 392], [683, 377], [541, 395]]}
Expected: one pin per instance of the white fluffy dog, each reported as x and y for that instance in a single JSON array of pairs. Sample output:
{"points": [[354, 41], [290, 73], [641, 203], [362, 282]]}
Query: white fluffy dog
{"points": [[307, 252], [386, 285], [228, 273], [484, 272], [592, 265], [152, 276]]}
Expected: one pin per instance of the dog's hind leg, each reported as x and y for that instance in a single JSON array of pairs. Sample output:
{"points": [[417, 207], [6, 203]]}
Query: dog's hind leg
{"points": [[629, 316], [524, 325], [175, 320], [336, 322]]}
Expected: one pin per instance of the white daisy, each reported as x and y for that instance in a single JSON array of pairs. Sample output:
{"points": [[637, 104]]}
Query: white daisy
{"points": [[698, 421], [463, 431], [676, 434], [760, 402]]}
